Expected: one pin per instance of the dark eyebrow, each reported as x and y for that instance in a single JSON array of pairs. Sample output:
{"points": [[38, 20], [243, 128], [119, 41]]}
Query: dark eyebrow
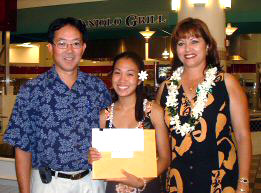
{"points": [[132, 71], [127, 71], [77, 39]]}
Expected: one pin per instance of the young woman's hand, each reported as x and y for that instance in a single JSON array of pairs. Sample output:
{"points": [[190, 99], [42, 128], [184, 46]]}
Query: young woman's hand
{"points": [[129, 180], [93, 155]]}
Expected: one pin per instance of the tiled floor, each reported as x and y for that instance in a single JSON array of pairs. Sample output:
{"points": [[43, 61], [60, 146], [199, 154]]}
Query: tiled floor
{"points": [[255, 178], [8, 189]]}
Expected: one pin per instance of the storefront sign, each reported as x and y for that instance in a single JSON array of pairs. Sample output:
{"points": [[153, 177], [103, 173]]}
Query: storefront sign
{"points": [[132, 20]]}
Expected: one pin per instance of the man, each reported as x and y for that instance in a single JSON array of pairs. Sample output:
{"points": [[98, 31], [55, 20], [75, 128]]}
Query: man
{"points": [[51, 123]]}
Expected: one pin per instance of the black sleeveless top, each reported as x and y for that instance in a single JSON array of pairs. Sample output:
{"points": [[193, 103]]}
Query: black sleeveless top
{"points": [[154, 186]]}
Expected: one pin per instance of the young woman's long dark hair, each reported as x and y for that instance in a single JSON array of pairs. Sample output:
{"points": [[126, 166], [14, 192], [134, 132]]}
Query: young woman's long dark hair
{"points": [[139, 113], [195, 27]]}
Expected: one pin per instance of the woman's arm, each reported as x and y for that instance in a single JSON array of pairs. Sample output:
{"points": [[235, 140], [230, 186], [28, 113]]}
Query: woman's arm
{"points": [[94, 154], [240, 122], [162, 139], [102, 119]]}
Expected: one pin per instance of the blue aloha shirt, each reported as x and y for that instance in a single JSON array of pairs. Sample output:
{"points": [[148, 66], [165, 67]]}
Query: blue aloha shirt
{"points": [[54, 122]]}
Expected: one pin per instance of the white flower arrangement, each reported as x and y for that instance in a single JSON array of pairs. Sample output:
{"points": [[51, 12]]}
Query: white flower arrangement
{"points": [[143, 75], [202, 96]]}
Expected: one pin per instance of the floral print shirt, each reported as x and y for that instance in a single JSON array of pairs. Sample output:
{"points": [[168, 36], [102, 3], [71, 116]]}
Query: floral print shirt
{"points": [[54, 122]]}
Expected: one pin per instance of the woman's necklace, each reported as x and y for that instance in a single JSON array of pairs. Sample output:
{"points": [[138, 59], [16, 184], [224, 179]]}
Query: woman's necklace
{"points": [[140, 123], [191, 88], [194, 84], [196, 112]]}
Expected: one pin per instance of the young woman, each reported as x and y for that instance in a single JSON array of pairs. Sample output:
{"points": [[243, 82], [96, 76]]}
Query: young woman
{"points": [[131, 110], [202, 106]]}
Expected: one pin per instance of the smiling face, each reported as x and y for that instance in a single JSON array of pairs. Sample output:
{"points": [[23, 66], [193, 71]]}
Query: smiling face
{"points": [[67, 59], [125, 77], [192, 51]]}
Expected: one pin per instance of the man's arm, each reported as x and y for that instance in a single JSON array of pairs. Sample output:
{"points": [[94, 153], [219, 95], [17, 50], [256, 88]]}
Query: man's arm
{"points": [[23, 166]]}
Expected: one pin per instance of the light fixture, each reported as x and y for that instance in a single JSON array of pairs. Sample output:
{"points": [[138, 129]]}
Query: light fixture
{"points": [[165, 53], [26, 45], [175, 5], [225, 3], [147, 34], [199, 2], [230, 30], [236, 58]]}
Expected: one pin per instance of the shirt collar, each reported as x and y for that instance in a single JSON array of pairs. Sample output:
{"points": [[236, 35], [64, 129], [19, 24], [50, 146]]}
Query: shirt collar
{"points": [[53, 75]]}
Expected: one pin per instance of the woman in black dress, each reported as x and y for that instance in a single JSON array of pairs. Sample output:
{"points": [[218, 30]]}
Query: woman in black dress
{"points": [[203, 106], [131, 110]]}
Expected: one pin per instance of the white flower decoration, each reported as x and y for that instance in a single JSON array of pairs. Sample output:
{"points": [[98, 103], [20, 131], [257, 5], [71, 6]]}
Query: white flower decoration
{"points": [[202, 97], [143, 75]]}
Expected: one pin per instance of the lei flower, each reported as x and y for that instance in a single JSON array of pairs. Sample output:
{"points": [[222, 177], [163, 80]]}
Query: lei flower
{"points": [[196, 112]]}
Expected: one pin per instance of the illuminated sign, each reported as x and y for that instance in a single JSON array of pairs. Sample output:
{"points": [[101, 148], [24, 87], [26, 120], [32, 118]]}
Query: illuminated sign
{"points": [[131, 20]]}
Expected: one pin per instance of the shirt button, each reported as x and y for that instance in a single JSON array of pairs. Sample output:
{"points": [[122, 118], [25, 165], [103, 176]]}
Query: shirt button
{"points": [[191, 183], [191, 152], [191, 167]]}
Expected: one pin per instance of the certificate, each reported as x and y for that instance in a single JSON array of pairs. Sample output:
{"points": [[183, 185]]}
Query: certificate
{"points": [[133, 150]]}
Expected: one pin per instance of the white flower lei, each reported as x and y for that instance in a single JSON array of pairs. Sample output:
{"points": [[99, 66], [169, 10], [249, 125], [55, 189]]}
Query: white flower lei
{"points": [[202, 92]]}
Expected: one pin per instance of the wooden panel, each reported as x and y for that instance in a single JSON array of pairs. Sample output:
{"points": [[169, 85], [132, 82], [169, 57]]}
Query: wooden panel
{"points": [[242, 68]]}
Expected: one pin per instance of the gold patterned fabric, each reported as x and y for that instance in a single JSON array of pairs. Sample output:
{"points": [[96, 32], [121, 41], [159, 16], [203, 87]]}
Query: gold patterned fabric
{"points": [[205, 160]]}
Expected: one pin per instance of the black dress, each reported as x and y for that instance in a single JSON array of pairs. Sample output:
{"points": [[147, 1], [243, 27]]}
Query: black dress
{"points": [[204, 160], [154, 186]]}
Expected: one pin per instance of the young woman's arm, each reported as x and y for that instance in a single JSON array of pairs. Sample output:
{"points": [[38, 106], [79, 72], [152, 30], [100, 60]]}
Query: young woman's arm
{"points": [[162, 139], [102, 119], [93, 154], [159, 93]]}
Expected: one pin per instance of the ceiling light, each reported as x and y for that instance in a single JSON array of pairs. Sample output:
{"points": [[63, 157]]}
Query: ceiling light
{"points": [[236, 58], [147, 33], [26, 45], [175, 5], [165, 54], [199, 2], [225, 3], [230, 30]]}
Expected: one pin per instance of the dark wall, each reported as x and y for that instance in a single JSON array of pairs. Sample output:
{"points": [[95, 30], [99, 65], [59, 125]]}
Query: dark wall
{"points": [[8, 15]]}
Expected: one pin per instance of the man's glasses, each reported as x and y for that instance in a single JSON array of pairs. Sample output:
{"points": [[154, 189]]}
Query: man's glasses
{"points": [[63, 44]]}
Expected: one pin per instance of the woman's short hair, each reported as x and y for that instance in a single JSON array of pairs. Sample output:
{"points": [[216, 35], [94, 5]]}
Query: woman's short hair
{"points": [[195, 27]]}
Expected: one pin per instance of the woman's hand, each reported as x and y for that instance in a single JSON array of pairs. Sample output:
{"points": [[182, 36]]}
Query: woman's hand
{"points": [[93, 155], [130, 180]]}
